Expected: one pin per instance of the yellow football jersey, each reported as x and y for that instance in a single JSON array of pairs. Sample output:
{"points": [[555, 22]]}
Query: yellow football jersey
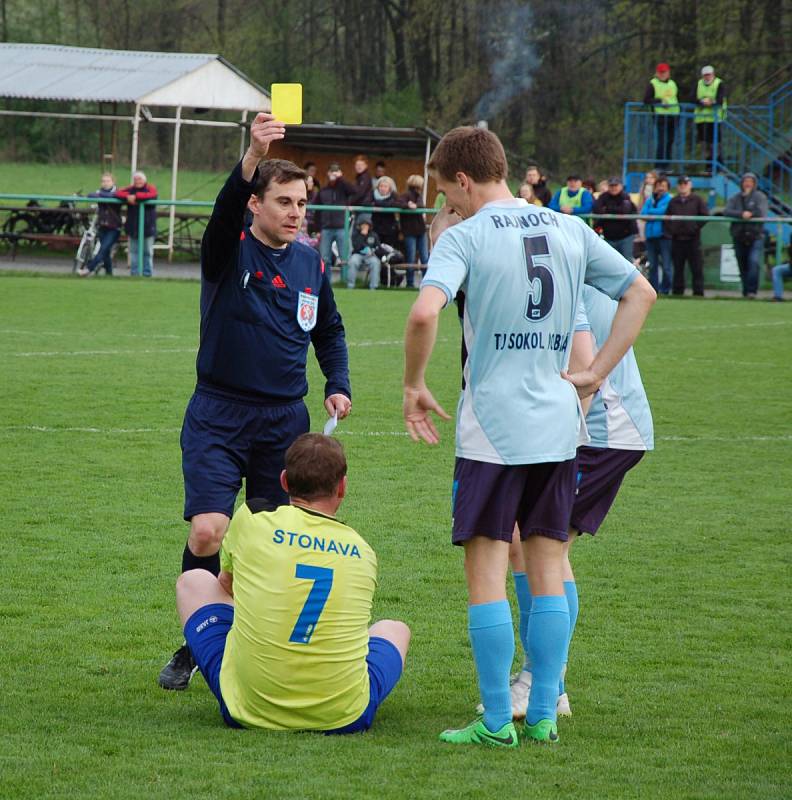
{"points": [[295, 657]]}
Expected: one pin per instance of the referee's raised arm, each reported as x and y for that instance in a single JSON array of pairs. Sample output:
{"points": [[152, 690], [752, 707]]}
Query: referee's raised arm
{"points": [[220, 239]]}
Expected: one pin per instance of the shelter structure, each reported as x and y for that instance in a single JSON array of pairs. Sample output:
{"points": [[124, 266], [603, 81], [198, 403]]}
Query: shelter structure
{"points": [[199, 82], [406, 151]]}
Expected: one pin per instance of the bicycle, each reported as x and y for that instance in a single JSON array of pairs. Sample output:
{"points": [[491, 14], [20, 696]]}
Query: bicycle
{"points": [[89, 243]]}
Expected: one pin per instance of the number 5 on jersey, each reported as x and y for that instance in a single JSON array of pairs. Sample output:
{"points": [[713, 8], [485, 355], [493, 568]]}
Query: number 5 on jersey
{"points": [[540, 280], [314, 603]]}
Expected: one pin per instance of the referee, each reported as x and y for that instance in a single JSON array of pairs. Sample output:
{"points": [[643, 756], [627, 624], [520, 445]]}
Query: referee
{"points": [[264, 299]]}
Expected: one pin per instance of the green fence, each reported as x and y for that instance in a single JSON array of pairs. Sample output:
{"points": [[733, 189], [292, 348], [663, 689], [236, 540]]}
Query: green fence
{"points": [[715, 233]]}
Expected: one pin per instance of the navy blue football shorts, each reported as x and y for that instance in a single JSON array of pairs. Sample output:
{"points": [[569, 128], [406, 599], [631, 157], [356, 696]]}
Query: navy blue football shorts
{"points": [[487, 499], [206, 632], [600, 472], [224, 440]]}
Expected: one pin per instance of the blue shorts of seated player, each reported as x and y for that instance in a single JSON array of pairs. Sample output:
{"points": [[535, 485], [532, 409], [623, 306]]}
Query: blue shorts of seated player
{"points": [[207, 643], [600, 472]]}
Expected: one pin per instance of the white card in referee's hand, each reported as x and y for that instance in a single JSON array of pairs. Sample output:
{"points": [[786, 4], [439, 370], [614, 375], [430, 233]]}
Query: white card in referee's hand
{"points": [[331, 424]]}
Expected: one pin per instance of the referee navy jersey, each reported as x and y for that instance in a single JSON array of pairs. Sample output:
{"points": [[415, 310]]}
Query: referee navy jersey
{"points": [[619, 417], [521, 270], [261, 308], [295, 658]]}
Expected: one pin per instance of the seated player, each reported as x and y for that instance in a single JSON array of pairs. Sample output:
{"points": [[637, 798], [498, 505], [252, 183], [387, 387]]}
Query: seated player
{"points": [[620, 428], [282, 635]]}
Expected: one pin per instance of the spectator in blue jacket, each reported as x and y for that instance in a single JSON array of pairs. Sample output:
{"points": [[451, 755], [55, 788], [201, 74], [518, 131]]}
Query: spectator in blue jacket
{"points": [[658, 240], [573, 198], [108, 227], [140, 190]]}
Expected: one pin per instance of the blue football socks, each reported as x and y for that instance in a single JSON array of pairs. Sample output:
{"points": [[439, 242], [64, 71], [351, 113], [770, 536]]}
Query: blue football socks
{"points": [[523, 591], [570, 590], [492, 639], [548, 632]]}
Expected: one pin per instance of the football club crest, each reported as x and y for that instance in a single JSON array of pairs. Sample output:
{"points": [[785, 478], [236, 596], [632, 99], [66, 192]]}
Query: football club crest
{"points": [[307, 305]]}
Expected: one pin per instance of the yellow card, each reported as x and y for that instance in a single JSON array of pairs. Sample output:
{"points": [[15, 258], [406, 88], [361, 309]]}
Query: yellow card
{"points": [[287, 102]]}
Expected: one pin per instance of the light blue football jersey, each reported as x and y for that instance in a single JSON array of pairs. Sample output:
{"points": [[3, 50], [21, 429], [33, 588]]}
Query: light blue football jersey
{"points": [[619, 416], [521, 270]]}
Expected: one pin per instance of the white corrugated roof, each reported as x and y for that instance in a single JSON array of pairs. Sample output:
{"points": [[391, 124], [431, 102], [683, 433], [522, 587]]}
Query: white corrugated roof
{"points": [[57, 72]]}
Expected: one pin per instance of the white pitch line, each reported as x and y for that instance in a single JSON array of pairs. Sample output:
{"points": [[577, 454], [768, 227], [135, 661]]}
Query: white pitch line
{"points": [[725, 326], [784, 437], [70, 353], [16, 332]]}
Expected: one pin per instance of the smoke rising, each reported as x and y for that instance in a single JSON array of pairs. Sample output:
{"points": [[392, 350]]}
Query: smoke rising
{"points": [[513, 60]]}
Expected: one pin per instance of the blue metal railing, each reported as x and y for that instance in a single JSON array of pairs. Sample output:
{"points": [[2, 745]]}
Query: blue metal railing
{"points": [[733, 151]]}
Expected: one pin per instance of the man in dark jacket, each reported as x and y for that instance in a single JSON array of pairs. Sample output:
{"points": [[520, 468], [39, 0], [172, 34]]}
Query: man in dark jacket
{"points": [[686, 236], [619, 233], [108, 228], [748, 237], [533, 175], [364, 189], [265, 298], [140, 190], [336, 192]]}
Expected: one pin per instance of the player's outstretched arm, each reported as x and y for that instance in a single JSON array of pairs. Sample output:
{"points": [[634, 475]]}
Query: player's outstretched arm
{"points": [[419, 340], [631, 314]]}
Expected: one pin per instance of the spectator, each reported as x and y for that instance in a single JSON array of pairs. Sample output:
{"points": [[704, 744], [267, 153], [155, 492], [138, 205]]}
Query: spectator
{"points": [[414, 227], [331, 223], [643, 194], [780, 272], [380, 171], [310, 168], [364, 189], [618, 233], [364, 255], [573, 198], [533, 175], [312, 192], [748, 236], [602, 187], [663, 95], [108, 228], [526, 191], [686, 236], [710, 107], [658, 241], [304, 237], [590, 186], [140, 190], [386, 224]]}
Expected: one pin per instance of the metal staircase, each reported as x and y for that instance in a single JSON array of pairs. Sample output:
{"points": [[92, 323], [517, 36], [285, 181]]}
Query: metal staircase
{"points": [[755, 137]]}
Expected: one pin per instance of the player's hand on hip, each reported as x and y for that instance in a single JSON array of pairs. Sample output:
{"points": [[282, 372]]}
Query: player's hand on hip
{"points": [[264, 130], [417, 405], [338, 404], [586, 381]]}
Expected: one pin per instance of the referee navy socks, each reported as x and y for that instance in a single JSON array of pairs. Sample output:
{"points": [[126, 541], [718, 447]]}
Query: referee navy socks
{"points": [[548, 637], [492, 639], [209, 563]]}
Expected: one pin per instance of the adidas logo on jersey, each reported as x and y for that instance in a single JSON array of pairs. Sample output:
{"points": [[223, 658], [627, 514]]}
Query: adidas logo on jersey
{"points": [[278, 282]]}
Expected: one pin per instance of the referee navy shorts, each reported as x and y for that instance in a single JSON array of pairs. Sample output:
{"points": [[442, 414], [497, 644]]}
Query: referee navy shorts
{"points": [[489, 498], [600, 472], [225, 440], [206, 632]]}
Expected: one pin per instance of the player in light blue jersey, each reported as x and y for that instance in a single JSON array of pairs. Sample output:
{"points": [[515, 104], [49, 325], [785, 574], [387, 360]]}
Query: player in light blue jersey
{"points": [[620, 430], [520, 271]]}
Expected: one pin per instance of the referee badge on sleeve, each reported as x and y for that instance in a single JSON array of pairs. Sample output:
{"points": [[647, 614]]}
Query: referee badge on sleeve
{"points": [[307, 305]]}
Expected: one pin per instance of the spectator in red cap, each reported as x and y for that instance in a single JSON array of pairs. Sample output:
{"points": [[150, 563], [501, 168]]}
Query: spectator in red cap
{"points": [[662, 95]]}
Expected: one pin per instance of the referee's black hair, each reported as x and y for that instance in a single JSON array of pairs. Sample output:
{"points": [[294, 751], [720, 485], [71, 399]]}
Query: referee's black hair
{"points": [[277, 170]]}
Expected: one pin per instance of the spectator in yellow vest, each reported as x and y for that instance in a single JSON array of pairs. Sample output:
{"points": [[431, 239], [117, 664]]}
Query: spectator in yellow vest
{"points": [[573, 198], [710, 108], [662, 95]]}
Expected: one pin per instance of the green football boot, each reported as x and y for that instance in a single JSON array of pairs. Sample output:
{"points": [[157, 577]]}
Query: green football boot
{"points": [[544, 731], [478, 733]]}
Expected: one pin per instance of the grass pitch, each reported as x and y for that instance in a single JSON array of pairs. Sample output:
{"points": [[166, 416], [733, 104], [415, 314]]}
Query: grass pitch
{"points": [[680, 671]]}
